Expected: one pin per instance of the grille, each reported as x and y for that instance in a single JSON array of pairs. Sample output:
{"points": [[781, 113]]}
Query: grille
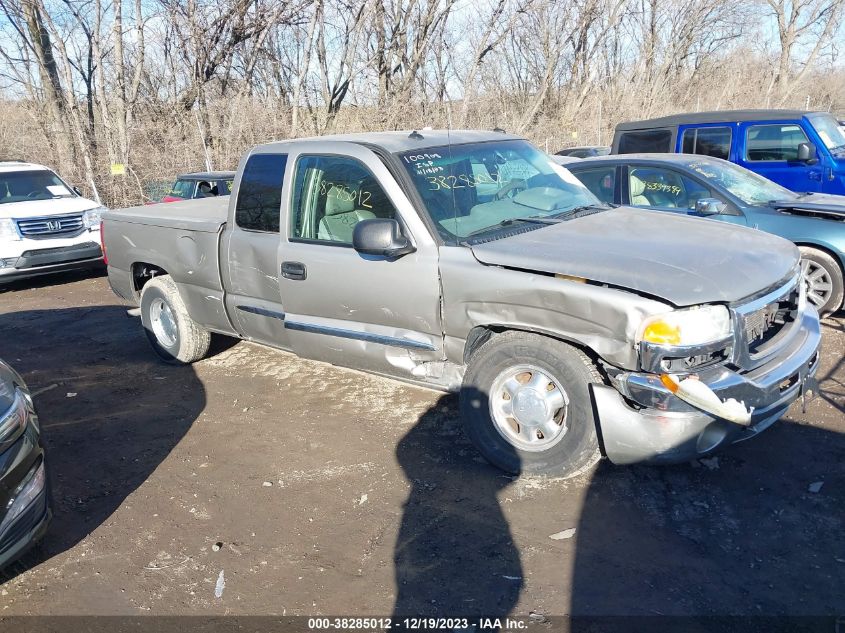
{"points": [[48, 227], [763, 326]]}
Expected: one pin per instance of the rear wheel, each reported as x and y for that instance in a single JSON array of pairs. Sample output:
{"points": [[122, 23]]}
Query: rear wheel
{"points": [[526, 405], [174, 335], [822, 277]]}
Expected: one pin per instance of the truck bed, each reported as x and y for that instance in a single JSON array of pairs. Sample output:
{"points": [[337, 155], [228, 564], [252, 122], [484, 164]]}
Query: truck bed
{"points": [[205, 215], [180, 239]]}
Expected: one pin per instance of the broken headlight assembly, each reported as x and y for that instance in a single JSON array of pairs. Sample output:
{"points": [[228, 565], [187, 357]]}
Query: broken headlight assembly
{"points": [[684, 340]]}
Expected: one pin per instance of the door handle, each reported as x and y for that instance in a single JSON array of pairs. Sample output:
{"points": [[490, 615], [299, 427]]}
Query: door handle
{"points": [[293, 270]]}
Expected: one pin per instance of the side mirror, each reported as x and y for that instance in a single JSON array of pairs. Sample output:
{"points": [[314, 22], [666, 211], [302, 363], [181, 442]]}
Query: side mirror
{"points": [[709, 206], [807, 153], [382, 237], [76, 190]]}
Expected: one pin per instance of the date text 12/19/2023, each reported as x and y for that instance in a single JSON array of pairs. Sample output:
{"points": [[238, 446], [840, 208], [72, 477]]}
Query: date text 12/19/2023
{"points": [[415, 624]]}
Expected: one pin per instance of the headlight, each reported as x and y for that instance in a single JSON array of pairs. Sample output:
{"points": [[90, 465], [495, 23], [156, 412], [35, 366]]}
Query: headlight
{"points": [[683, 328], [8, 230], [91, 218], [24, 495], [14, 419]]}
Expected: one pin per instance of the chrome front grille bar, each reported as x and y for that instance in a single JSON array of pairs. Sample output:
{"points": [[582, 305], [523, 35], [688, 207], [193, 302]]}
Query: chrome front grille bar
{"points": [[51, 226]]}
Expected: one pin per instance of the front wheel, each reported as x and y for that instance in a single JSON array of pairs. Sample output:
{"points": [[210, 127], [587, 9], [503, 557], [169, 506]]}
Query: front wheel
{"points": [[526, 405], [822, 278], [174, 335]]}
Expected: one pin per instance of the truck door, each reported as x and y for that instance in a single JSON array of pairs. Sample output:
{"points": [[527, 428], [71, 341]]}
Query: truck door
{"points": [[771, 150], [342, 307], [250, 244]]}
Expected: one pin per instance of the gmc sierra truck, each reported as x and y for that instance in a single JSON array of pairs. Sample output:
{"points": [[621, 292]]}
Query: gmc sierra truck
{"points": [[470, 262]]}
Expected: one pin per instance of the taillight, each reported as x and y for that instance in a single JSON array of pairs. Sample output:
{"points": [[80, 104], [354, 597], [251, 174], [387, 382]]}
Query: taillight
{"points": [[103, 243]]}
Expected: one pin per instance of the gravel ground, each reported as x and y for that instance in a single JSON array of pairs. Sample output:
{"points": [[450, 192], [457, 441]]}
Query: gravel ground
{"points": [[310, 489]]}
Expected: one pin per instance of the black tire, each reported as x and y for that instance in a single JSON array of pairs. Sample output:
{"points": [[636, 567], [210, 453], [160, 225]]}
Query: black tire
{"points": [[819, 259], [569, 368], [190, 340]]}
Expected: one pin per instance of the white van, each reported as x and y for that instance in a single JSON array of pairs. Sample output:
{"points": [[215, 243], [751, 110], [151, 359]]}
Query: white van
{"points": [[45, 225]]}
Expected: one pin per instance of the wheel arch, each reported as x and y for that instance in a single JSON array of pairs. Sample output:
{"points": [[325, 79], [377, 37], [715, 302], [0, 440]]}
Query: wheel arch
{"points": [[825, 248], [480, 334], [141, 273]]}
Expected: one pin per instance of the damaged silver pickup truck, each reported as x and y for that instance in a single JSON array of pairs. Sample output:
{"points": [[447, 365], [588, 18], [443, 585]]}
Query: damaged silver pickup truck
{"points": [[468, 261]]}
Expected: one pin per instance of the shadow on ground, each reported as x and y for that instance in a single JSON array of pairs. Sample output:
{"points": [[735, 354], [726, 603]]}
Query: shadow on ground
{"points": [[110, 412], [741, 534], [52, 280], [454, 554]]}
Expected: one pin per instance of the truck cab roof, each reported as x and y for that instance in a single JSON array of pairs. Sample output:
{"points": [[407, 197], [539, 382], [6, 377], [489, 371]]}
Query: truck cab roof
{"points": [[402, 141]]}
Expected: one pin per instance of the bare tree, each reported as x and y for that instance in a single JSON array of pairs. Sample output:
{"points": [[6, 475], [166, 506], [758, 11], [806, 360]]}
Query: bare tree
{"points": [[799, 21]]}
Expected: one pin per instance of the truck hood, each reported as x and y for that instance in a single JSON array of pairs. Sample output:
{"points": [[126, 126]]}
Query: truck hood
{"points": [[822, 204], [42, 208], [685, 261]]}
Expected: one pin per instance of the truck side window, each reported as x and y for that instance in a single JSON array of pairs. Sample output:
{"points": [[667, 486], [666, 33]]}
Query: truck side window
{"points": [[773, 142], [331, 195], [646, 141], [260, 193], [710, 141], [601, 182]]}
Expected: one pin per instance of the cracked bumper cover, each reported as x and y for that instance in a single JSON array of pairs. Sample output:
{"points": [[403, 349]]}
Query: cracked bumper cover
{"points": [[650, 424]]}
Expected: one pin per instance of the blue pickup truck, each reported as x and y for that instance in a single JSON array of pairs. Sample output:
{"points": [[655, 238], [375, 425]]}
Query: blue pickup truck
{"points": [[803, 151]]}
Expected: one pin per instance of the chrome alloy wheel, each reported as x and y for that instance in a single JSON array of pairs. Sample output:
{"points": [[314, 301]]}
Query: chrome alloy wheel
{"points": [[817, 281], [163, 322], [529, 408]]}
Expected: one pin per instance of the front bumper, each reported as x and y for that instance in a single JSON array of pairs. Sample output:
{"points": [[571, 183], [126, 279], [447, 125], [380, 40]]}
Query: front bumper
{"points": [[24, 491], [642, 421], [47, 260]]}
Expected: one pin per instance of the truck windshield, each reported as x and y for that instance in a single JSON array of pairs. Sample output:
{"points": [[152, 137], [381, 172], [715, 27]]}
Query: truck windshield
{"points": [[831, 134], [749, 187], [475, 188], [36, 184]]}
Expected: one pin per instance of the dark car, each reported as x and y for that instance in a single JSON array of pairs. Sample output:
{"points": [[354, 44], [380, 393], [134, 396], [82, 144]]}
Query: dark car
{"points": [[585, 151], [203, 184], [717, 189], [24, 496]]}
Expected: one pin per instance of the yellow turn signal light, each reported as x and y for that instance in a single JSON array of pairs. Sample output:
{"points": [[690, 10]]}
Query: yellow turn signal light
{"points": [[662, 333]]}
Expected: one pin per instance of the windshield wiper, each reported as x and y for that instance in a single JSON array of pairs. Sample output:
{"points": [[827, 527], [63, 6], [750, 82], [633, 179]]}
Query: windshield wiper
{"points": [[581, 209], [508, 221]]}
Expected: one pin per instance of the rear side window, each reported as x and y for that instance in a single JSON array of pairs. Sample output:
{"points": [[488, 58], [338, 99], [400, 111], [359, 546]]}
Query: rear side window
{"points": [[648, 141], [662, 188], [709, 141], [260, 194], [773, 142], [601, 182]]}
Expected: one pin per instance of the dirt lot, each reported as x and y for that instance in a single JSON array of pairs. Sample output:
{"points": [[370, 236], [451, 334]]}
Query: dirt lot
{"points": [[334, 492]]}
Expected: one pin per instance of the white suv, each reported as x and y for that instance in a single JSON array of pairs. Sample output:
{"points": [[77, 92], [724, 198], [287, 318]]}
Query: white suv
{"points": [[45, 225]]}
